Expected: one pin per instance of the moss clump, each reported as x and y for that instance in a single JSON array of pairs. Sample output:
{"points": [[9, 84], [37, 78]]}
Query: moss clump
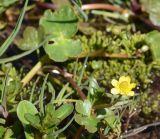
{"points": [[137, 62]]}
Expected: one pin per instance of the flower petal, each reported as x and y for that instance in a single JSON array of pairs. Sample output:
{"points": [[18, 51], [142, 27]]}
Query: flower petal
{"points": [[132, 85], [130, 93], [125, 78], [114, 91], [114, 82]]}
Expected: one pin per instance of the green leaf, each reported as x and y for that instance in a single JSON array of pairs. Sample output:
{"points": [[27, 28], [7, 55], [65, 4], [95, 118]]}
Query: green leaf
{"points": [[12, 36], [60, 23], [110, 118], [96, 64], [6, 3], [62, 92], [30, 39], [84, 107], [2, 121], [50, 118], [152, 7], [93, 86], [18, 56], [8, 134], [64, 111], [34, 120], [90, 123], [153, 39], [60, 49], [41, 96], [54, 117], [23, 108], [2, 131]]}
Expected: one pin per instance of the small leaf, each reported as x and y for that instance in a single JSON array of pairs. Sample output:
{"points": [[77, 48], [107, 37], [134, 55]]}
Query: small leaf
{"points": [[96, 64], [60, 23], [93, 86], [2, 131], [152, 39], [90, 123], [53, 117], [110, 118], [8, 134], [6, 3], [152, 7], [23, 108], [30, 39], [64, 111], [62, 49], [34, 120], [50, 118], [84, 107]]}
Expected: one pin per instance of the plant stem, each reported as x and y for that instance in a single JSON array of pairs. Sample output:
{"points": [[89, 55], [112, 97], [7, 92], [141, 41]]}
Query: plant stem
{"points": [[102, 6], [36, 69], [65, 100], [32, 72], [102, 53], [93, 6], [78, 134], [70, 80]]}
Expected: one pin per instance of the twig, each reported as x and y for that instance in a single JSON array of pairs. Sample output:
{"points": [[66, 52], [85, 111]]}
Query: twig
{"points": [[70, 80], [139, 129], [79, 91], [32, 72], [36, 69], [102, 6], [94, 6], [128, 120], [102, 53], [78, 133]]}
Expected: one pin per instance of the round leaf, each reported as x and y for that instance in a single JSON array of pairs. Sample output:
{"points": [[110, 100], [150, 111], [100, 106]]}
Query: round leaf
{"points": [[90, 123], [62, 49], [23, 108], [30, 39], [83, 107], [60, 23]]}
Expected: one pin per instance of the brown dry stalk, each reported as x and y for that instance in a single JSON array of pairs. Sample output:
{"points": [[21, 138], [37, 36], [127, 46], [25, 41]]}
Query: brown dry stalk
{"points": [[93, 6], [70, 80], [102, 6]]}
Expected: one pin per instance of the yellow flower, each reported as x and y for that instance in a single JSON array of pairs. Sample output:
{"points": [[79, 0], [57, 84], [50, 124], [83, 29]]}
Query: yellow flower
{"points": [[123, 86]]}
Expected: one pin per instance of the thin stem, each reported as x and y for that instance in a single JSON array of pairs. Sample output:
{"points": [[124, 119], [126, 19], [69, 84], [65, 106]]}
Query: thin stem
{"points": [[70, 80], [93, 6], [76, 87], [102, 53], [36, 69], [32, 72], [78, 133], [135, 131], [65, 100], [102, 6]]}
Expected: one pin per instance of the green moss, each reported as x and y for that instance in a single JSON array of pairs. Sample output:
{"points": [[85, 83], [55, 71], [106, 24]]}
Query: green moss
{"points": [[138, 63]]}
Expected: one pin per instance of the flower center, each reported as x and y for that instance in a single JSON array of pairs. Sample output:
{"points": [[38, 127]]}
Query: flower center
{"points": [[124, 86]]}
